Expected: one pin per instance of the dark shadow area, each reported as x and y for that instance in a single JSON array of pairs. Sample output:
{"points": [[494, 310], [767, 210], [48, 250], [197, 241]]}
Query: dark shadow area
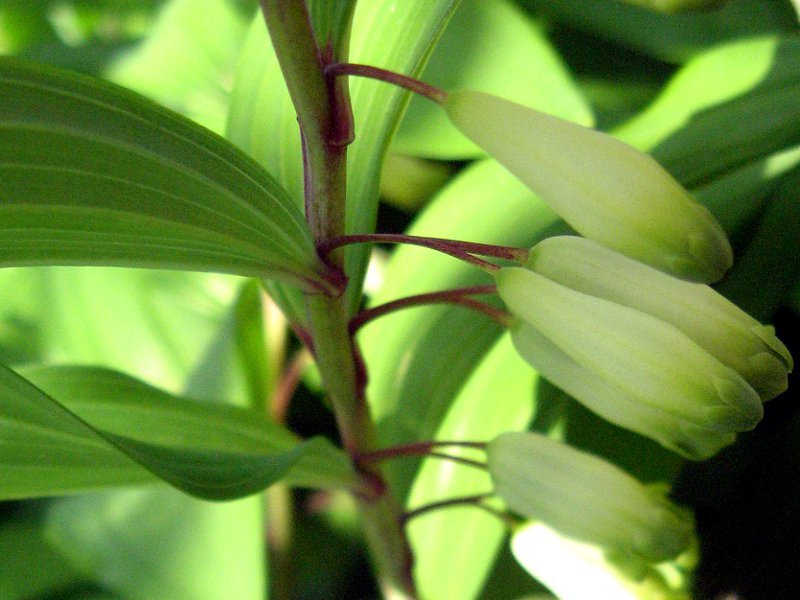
{"points": [[746, 502]]}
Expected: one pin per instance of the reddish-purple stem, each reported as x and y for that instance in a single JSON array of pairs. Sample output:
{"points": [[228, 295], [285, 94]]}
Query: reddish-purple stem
{"points": [[455, 248], [456, 297], [459, 459], [476, 501], [404, 81], [414, 449], [286, 386]]}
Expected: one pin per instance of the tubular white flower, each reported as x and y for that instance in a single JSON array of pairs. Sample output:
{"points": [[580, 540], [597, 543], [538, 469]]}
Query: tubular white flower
{"points": [[717, 325], [585, 497], [632, 368], [605, 189]]}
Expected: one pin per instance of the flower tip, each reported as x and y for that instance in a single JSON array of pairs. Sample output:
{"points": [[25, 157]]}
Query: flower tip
{"points": [[767, 335], [668, 540], [742, 408], [709, 253], [772, 379]]}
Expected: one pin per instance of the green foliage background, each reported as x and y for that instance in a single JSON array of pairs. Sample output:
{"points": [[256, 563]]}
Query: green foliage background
{"points": [[713, 96]]}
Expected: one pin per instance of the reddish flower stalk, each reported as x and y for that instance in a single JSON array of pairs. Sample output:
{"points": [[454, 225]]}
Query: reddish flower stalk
{"points": [[457, 297], [415, 85]]}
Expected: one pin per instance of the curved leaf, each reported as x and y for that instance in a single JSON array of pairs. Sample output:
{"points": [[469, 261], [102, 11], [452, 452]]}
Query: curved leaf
{"points": [[91, 174], [104, 419]]}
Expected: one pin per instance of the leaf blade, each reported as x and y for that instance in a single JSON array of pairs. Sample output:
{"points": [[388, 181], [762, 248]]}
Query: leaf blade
{"points": [[212, 451], [132, 184]]}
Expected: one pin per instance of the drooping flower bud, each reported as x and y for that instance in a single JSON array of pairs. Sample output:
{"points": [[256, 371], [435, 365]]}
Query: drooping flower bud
{"points": [[585, 497], [630, 367], [605, 189], [713, 322]]}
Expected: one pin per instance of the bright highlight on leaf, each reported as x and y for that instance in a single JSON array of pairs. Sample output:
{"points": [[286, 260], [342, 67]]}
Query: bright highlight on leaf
{"points": [[677, 6], [628, 366], [91, 174], [605, 189], [107, 429], [585, 497]]}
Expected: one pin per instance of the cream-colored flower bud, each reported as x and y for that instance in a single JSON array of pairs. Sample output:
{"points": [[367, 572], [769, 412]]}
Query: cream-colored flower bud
{"points": [[605, 189], [585, 497], [631, 368], [713, 322]]}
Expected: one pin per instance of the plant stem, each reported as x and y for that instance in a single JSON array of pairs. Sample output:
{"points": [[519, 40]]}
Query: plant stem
{"points": [[423, 449], [324, 155], [415, 85], [415, 449], [321, 114], [441, 244], [476, 500], [460, 460], [456, 297], [287, 384], [455, 248]]}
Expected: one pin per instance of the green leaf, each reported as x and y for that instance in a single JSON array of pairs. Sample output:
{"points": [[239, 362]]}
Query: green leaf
{"points": [[492, 47], [770, 265], [30, 567], [187, 59], [159, 544], [331, 20], [740, 195], [91, 174], [104, 419], [263, 123], [236, 365], [672, 38], [753, 83], [154, 325], [455, 549]]}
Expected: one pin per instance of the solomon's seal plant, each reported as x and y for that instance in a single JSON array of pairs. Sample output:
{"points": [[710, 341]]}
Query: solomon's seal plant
{"points": [[620, 317]]}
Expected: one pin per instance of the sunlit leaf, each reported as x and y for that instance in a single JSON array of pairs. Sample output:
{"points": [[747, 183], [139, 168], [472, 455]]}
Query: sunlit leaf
{"points": [[753, 83], [455, 549], [159, 544], [187, 59], [154, 325], [93, 175], [492, 47]]}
